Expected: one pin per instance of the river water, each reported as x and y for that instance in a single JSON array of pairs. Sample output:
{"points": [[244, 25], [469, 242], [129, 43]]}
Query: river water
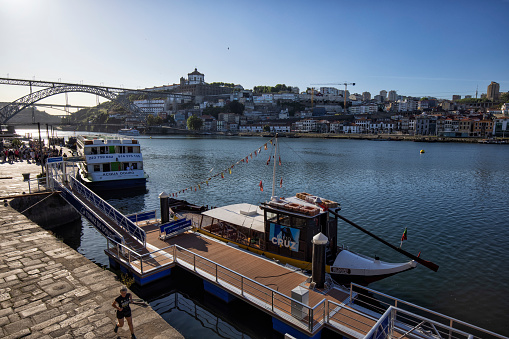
{"points": [[452, 199]]}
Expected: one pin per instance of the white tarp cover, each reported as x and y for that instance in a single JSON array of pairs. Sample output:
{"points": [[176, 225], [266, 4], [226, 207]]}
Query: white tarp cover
{"points": [[245, 215]]}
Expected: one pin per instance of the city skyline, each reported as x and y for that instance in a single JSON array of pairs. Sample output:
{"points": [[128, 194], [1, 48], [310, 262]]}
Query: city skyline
{"points": [[416, 49]]}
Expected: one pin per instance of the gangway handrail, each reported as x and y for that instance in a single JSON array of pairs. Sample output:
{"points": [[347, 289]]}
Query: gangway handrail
{"points": [[109, 211], [136, 254], [95, 215], [451, 320]]}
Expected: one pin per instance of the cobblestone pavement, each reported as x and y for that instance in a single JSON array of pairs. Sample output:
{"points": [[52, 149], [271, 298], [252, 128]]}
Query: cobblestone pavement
{"points": [[11, 177], [48, 290]]}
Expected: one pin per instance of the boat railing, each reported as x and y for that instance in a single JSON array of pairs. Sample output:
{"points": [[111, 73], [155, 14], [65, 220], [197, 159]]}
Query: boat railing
{"points": [[299, 314], [421, 319], [143, 216], [120, 219]]}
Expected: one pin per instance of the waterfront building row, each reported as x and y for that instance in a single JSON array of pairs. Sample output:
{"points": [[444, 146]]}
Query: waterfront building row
{"points": [[423, 124]]}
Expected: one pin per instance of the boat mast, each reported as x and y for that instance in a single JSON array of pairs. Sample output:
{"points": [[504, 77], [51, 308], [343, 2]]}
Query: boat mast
{"points": [[274, 170]]}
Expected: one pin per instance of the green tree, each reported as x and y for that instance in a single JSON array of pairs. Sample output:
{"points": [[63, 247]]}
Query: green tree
{"points": [[194, 123], [504, 97], [214, 111], [234, 107], [153, 120]]}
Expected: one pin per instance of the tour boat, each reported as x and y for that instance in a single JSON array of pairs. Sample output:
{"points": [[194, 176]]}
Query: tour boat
{"points": [[132, 132], [282, 229], [110, 163]]}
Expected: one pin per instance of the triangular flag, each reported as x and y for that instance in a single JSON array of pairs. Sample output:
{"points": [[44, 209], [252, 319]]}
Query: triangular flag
{"points": [[230, 170], [279, 161], [265, 146], [403, 237], [261, 186], [281, 182], [268, 161], [222, 175]]}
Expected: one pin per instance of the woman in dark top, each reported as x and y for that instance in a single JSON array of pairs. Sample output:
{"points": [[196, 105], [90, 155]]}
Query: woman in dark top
{"points": [[121, 304]]}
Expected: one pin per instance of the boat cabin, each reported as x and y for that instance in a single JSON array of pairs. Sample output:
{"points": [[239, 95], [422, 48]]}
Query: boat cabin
{"points": [[283, 226], [107, 155]]}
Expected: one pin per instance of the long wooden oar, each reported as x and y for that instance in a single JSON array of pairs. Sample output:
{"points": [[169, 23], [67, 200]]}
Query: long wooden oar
{"points": [[432, 266]]}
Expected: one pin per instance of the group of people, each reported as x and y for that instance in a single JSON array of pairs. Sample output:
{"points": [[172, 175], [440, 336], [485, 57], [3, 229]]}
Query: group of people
{"points": [[30, 152]]}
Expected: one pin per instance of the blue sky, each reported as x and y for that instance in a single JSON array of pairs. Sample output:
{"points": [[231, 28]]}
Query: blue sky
{"points": [[421, 48]]}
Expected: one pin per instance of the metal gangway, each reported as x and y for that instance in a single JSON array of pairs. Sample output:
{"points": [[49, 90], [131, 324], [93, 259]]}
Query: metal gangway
{"points": [[61, 176]]}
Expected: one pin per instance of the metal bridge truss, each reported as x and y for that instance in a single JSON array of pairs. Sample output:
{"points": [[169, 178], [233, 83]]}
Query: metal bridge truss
{"points": [[15, 107]]}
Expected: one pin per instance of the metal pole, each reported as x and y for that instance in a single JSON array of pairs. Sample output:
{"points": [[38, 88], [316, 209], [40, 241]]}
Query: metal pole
{"points": [[351, 289], [310, 320], [40, 146], [274, 170], [272, 301]]}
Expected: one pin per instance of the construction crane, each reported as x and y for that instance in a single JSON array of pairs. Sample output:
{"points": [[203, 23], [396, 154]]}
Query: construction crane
{"points": [[339, 84]]}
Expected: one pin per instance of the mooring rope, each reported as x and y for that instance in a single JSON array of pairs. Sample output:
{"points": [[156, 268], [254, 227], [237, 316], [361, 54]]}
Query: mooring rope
{"points": [[38, 202]]}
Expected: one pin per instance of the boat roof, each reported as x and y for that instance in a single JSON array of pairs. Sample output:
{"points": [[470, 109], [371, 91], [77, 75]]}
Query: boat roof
{"points": [[283, 201], [245, 215], [101, 140]]}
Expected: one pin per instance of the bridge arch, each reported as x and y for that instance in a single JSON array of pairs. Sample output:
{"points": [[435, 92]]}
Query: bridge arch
{"points": [[10, 110]]}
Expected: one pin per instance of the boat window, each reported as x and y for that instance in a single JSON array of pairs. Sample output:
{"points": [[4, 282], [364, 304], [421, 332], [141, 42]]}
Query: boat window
{"points": [[284, 220], [135, 165], [126, 166], [93, 150], [102, 150], [106, 167], [298, 222], [97, 168], [271, 216], [129, 149]]}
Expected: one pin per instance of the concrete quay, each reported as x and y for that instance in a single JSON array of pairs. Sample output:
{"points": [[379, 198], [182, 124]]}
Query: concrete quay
{"points": [[48, 290]]}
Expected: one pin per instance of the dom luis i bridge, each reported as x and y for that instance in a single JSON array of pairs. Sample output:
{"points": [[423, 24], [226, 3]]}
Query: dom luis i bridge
{"points": [[50, 88]]}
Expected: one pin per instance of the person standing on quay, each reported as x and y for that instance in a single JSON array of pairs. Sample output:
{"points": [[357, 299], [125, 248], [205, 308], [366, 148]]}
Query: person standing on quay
{"points": [[121, 304]]}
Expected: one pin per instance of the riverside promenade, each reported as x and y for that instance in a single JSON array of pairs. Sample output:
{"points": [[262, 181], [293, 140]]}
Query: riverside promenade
{"points": [[48, 290]]}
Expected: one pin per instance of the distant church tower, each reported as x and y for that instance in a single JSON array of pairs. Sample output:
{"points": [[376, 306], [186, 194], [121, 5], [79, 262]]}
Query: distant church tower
{"points": [[195, 78]]}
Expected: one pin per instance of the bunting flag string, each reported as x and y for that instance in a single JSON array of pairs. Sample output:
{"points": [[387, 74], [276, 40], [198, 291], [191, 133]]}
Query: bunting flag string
{"points": [[228, 170]]}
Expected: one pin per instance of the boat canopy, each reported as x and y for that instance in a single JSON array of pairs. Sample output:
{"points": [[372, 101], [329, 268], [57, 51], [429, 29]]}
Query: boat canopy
{"points": [[244, 215]]}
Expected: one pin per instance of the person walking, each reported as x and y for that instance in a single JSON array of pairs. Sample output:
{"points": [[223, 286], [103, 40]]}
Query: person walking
{"points": [[121, 304]]}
